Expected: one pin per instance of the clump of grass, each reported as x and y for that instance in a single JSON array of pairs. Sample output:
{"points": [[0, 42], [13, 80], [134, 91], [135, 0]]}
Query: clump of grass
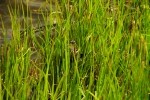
{"points": [[111, 62]]}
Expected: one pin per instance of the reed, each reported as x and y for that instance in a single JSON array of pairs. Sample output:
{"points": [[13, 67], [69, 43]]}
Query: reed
{"points": [[96, 50]]}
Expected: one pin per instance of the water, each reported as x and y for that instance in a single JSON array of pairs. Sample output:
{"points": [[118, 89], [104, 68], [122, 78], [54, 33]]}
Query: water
{"points": [[35, 9]]}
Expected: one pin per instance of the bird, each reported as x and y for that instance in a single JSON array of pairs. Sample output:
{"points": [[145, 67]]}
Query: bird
{"points": [[73, 47]]}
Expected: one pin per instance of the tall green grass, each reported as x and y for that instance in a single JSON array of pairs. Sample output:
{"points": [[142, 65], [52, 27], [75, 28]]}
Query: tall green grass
{"points": [[112, 60]]}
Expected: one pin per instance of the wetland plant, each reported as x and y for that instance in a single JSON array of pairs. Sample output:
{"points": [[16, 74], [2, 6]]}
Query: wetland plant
{"points": [[97, 50]]}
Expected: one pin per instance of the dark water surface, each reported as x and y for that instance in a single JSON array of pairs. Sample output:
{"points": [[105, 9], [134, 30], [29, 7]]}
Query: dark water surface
{"points": [[21, 18]]}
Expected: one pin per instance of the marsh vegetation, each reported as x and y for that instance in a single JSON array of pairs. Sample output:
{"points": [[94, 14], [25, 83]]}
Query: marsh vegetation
{"points": [[75, 50]]}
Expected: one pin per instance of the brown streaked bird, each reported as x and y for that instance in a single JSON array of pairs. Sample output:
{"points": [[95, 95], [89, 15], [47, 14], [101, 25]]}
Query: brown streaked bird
{"points": [[73, 47]]}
